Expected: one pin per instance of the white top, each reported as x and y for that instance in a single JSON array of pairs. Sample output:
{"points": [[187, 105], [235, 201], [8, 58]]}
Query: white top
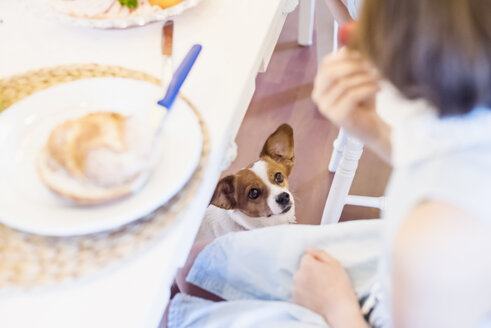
{"points": [[445, 159]]}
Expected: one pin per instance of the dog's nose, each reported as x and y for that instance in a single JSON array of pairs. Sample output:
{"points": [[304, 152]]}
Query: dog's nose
{"points": [[283, 198]]}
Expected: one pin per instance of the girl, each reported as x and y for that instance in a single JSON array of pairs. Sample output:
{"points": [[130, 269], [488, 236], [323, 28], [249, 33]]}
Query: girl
{"points": [[434, 268]]}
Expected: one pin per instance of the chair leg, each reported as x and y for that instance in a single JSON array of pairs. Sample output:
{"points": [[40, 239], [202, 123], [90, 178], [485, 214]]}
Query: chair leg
{"points": [[376, 202], [342, 181], [327, 30], [306, 22], [337, 153]]}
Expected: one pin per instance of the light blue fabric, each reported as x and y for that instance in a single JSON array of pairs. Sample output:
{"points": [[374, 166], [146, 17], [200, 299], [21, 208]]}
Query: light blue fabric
{"points": [[354, 7], [187, 311], [253, 270]]}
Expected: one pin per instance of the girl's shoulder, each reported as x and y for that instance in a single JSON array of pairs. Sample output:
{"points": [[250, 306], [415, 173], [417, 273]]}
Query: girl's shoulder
{"points": [[441, 248]]}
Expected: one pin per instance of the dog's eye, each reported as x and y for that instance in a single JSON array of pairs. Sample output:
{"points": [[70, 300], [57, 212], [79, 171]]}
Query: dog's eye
{"points": [[254, 193], [278, 177]]}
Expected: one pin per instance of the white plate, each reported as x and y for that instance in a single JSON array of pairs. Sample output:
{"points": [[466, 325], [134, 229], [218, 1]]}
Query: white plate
{"points": [[130, 21], [26, 203]]}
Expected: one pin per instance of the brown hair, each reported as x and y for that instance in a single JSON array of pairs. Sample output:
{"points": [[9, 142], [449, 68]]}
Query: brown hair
{"points": [[439, 50]]}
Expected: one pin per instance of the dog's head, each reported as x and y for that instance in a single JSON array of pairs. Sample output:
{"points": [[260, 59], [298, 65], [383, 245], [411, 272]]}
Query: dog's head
{"points": [[261, 190]]}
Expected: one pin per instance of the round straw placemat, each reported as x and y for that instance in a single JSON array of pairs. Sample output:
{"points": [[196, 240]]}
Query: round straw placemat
{"points": [[30, 260]]}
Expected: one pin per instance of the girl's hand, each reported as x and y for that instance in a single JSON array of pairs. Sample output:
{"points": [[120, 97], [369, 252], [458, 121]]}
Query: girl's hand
{"points": [[344, 91], [322, 285]]}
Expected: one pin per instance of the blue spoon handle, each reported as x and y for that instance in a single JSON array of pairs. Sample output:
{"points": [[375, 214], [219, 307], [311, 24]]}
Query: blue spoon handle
{"points": [[180, 76]]}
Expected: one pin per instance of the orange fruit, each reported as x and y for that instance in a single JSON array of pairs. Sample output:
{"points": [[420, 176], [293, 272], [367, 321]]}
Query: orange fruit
{"points": [[164, 3]]}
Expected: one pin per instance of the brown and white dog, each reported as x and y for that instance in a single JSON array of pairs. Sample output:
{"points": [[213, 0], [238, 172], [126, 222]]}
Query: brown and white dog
{"points": [[256, 196]]}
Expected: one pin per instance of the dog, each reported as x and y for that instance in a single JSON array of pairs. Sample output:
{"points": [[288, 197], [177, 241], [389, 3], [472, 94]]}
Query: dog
{"points": [[256, 196]]}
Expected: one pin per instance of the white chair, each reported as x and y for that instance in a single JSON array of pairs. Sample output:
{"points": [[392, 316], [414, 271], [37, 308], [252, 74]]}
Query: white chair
{"points": [[347, 150]]}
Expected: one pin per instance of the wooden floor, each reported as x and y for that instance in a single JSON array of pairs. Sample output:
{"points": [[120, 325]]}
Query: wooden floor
{"points": [[283, 95]]}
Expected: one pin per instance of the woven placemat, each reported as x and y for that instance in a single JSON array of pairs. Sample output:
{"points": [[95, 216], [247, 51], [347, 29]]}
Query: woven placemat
{"points": [[30, 260]]}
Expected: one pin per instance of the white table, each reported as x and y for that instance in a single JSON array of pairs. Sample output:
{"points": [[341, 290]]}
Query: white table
{"points": [[238, 38]]}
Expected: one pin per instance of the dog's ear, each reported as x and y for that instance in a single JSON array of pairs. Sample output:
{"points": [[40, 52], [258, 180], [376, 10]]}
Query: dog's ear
{"points": [[224, 195], [280, 147]]}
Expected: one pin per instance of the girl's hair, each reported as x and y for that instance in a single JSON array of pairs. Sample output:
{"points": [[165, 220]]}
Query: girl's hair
{"points": [[439, 50]]}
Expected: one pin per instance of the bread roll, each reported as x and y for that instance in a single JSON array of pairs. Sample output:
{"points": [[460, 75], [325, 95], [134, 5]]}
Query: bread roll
{"points": [[96, 158]]}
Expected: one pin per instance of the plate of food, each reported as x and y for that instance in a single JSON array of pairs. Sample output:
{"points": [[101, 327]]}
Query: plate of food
{"points": [[84, 156], [117, 13]]}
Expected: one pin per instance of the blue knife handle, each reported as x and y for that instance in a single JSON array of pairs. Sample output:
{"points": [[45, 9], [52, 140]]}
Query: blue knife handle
{"points": [[180, 76]]}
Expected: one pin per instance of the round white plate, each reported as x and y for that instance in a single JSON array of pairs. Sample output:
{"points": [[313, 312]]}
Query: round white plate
{"points": [[125, 22], [28, 205]]}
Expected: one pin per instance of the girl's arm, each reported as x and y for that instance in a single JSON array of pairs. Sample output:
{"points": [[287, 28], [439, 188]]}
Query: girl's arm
{"points": [[441, 268], [339, 11]]}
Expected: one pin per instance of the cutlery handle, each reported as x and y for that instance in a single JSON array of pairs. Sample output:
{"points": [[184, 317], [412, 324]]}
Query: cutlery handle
{"points": [[180, 76]]}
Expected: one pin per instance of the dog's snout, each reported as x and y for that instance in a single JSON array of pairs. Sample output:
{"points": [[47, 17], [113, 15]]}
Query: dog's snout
{"points": [[283, 199]]}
